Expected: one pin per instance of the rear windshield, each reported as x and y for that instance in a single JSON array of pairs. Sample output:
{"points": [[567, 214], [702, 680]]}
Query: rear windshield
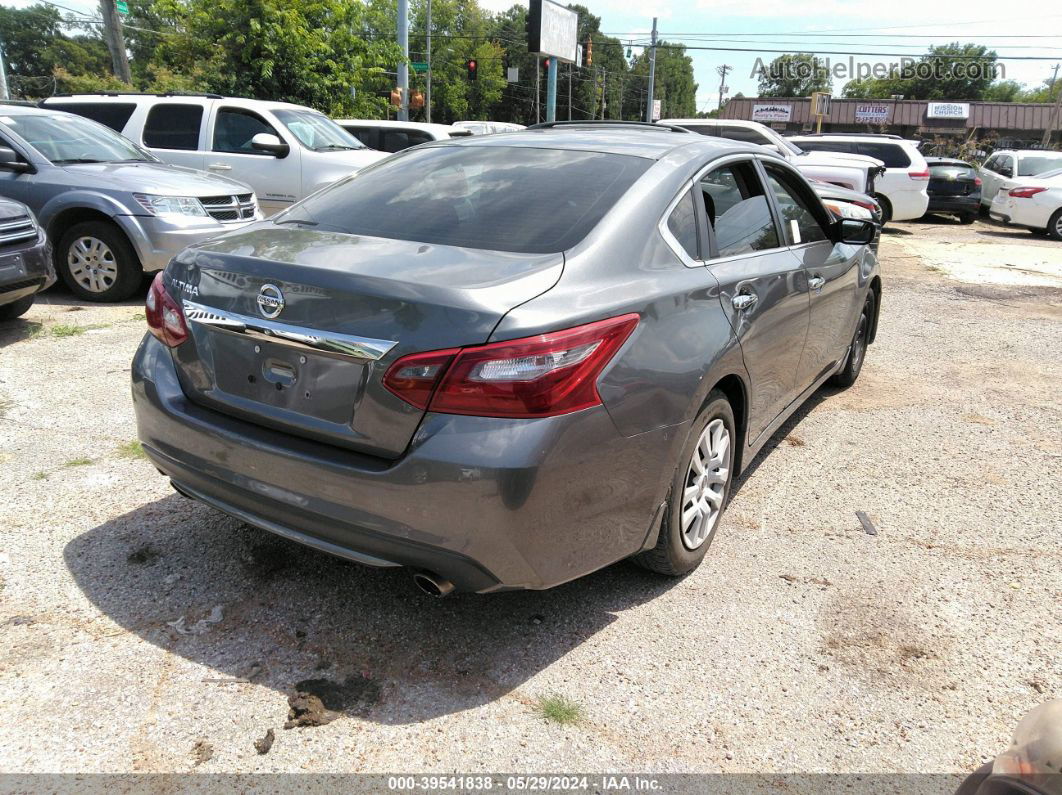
{"points": [[113, 114], [532, 201], [1032, 165], [951, 171]]}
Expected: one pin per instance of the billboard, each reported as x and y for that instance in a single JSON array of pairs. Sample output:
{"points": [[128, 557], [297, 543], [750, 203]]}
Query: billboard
{"points": [[552, 30], [948, 110], [872, 112], [772, 112]]}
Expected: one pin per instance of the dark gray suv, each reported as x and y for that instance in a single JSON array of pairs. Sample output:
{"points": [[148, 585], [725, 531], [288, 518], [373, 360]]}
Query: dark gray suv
{"points": [[506, 361]]}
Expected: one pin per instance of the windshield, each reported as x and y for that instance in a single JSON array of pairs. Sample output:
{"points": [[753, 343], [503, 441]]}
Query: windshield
{"points": [[64, 138], [316, 131], [1032, 165], [533, 201]]}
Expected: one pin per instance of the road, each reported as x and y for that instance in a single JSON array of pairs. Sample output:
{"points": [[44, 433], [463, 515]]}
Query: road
{"points": [[803, 643]]}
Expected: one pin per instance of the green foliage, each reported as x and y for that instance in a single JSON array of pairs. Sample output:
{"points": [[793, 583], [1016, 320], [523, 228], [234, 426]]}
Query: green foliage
{"points": [[558, 709], [797, 75]]}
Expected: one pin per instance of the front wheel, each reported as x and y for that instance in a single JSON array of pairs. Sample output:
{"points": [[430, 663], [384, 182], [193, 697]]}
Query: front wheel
{"points": [[699, 492], [857, 352], [97, 262], [1054, 226]]}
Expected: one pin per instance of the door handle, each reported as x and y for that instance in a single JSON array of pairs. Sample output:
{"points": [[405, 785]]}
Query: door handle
{"points": [[743, 301], [816, 283], [219, 167]]}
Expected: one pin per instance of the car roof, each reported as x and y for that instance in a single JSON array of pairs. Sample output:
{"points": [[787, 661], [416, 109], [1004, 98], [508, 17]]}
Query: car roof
{"points": [[28, 110], [1027, 152], [135, 97], [754, 125], [612, 139]]}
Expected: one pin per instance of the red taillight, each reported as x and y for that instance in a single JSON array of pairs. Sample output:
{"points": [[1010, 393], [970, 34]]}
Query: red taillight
{"points": [[918, 174], [977, 181], [539, 376], [866, 206], [1026, 193], [165, 318]]}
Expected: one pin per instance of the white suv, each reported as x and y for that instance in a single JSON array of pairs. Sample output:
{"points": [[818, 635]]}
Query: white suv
{"points": [[1007, 164], [852, 172], [283, 151], [394, 136], [903, 189]]}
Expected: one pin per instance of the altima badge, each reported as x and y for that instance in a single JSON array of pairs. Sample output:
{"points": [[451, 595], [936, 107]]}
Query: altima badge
{"points": [[270, 300]]}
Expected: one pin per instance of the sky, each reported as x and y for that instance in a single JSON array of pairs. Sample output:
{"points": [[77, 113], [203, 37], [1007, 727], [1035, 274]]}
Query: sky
{"points": [[824, 26]]}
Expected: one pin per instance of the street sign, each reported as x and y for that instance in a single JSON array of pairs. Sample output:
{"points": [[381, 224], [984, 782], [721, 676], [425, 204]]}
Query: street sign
{"points": [[512, 75], [419, 66], [122, 6], [657, 110]]}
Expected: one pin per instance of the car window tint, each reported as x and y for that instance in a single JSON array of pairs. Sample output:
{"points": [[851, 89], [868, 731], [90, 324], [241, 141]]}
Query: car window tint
{"points": [[682, 223], [950, 171], [703, 129], [991, 163], [394, 140], [1032, 165], [368, 136], [825, 146], [112, 114], [234, 128], [744, 134], [1005, 166], [796, 208], [171, 125], [737, 209], [892, 155], [500, 198]]}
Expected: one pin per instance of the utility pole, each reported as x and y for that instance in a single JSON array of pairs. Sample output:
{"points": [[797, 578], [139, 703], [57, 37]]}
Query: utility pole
{"points": [[427, 93], [551, 90], [1050, 130], [403, 66], [604, 85], [538, 90], [723, 71], [112, 32], [652, 74], [571, 67], [4, 93]]}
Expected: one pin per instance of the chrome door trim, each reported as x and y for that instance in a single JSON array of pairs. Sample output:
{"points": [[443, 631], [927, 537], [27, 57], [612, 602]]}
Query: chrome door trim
{"points": [[283, 333]]}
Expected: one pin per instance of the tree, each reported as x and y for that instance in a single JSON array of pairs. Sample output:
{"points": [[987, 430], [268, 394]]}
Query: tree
{"points": [[673, 85], [950, 71], [797, 75]]}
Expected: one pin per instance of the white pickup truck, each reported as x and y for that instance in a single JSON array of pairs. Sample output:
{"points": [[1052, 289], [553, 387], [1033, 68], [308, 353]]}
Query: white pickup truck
{"points": [[854, 172], [284, 152]]}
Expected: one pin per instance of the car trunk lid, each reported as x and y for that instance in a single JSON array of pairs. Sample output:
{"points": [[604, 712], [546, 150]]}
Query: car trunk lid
{"points": [[293, 328]]}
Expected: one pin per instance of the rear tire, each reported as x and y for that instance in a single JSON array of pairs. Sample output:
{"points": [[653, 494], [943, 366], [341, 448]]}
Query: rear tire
{"points": [[967, 218], [1054, 226], [16, 308], [700, 491], [886, 208], [857, 353], [97, 262]]}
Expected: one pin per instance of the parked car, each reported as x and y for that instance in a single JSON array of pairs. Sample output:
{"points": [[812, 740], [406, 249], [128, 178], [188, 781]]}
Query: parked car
{"points": [[954, 188], [488, 127], [1032, 202], [854, 172], [283, 151], [1007, 164], [111, 210], [25, 259], [573, 340], [394, 136], [903, 189], [844, 203]]}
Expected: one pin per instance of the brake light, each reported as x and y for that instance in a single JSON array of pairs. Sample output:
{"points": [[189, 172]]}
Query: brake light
{"points": [[977, 181], [165, 318], [918, 174], [1026, 193], [539, 376], [866, 205]]}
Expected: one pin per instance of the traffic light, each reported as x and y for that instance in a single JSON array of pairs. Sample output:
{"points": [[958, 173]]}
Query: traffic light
{"points": [[545, 64], [589, 59], [472, 68]]}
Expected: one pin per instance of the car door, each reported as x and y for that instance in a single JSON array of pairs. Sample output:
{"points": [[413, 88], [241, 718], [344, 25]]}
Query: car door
{"points": [[173, 132], [275, 178], [832, 270], [989, 179], [763, 289]]}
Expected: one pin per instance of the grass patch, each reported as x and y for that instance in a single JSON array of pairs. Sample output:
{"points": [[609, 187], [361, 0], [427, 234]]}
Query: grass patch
{"points": [[558, 709], [61, 330], [39, 475], [131, 449], [78, 462]]}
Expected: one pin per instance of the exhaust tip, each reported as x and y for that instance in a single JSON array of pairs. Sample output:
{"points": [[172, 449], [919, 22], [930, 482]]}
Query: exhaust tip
{"points": [[432, 585]]}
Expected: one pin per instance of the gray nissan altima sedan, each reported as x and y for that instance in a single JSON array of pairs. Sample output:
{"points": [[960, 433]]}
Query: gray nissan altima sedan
{"points": [[506, 361]]}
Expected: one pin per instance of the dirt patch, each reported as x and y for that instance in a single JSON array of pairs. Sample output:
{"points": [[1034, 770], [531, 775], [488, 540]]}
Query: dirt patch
{"points": [[316, 702], [202, 752], [263, 745], [267, 560]]}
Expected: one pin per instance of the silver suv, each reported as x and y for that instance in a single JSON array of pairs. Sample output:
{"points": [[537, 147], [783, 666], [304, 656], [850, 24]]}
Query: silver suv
{"points": [[111, 209]]}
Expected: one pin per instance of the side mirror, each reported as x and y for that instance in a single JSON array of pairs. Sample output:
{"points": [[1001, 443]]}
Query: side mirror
{"points": [[855, 232], [1006, 171], [267, 142], [9, 161]]}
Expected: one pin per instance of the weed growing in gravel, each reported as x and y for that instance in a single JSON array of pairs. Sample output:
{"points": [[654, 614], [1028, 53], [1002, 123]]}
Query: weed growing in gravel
{"points": [[131, 449], [65, 330], [558, 709], [78, 462], [40, 475]]}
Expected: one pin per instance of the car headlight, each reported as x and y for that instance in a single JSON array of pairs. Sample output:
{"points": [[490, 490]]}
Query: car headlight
{"points": [[171, 205]]}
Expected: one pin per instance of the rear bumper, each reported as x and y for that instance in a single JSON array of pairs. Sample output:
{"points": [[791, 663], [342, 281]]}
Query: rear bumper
{"points": [[907, 204], [954, 204], [488, 503], [25, 271]]}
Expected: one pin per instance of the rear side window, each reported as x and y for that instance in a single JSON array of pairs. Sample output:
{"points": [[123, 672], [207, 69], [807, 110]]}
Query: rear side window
{"points": [[825, 146], [112, 114], [367, 135], [682, 224], [173, 126], [397, 140], [703, 129], [500, 198], [737, 209], [744, 134], [892, 155], [1033, 165]]}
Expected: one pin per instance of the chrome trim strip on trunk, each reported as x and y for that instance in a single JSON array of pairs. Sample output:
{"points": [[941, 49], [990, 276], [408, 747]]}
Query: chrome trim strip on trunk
{"points": [[297, 336]]}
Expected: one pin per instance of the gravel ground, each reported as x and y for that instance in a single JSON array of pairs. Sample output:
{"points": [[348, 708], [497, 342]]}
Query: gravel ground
{"points": [[802, 644]]}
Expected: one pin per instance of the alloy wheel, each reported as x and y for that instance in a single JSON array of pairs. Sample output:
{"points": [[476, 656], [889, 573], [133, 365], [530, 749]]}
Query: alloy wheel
{"points": [[92, 264], [706, 479], [859, 347]]}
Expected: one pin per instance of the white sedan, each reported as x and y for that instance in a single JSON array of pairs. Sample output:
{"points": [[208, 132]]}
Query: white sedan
{"points": [[1032, 202]]}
